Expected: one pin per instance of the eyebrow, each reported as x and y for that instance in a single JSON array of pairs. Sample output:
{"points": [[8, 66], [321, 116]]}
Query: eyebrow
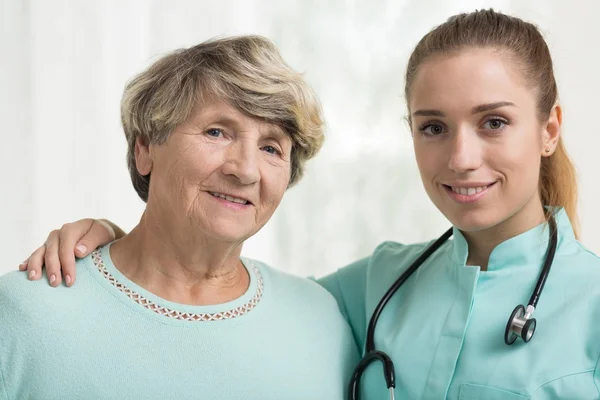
{"points": [[491, 106], [428, 113], [475, 110], [279, 138], [274, 131], [224, 120]]}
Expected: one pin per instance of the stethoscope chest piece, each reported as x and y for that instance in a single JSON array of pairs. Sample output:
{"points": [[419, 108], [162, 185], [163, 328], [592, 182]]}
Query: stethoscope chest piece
{"points": [[520, 325]]}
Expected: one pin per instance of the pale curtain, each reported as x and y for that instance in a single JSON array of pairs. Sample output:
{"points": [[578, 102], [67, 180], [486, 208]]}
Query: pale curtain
{"points": [[64, 64]]}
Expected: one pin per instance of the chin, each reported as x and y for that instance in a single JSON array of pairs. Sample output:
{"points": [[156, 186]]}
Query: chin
{"points": [[226, 230], [230, 235], [473, 221]]}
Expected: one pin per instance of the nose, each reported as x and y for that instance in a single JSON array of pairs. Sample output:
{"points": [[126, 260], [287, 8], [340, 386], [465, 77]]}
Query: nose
{"points": [[465, 151], [242, 162]]}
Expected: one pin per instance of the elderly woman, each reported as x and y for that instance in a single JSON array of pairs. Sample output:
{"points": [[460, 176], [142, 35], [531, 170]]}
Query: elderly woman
{"points": [[216, 133]]}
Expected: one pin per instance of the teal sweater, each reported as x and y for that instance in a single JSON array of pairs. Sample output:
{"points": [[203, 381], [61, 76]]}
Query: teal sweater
{"points": [[108, 338]]}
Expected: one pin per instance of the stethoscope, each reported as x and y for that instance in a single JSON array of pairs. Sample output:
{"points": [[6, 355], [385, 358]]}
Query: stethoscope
{"points": [[520, 324]]}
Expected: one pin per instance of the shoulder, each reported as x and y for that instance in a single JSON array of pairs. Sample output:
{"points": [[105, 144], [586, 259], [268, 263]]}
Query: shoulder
{"points": [[16, 285], [390, 259], [385, 261], [22, 304], [31, 302], [291, 286], [577, 260], [580, 267], [397, 254], [357, 285], [387, 255], [16, 290], [586, 254]]}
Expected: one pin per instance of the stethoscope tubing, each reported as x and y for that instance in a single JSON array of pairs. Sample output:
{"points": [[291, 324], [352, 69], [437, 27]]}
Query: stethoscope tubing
{"points": [[388, 366]]}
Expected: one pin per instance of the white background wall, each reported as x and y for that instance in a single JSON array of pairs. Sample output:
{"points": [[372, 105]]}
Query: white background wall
{"points": [[64, 63]]}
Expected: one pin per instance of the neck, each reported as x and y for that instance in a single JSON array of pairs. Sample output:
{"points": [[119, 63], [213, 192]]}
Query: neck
{"points": [[482, 243], [179, 265]]}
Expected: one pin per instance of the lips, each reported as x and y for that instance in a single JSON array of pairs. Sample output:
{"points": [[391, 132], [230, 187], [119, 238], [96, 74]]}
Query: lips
{"points": [[468, 188], [233, 199], [468, 191]]}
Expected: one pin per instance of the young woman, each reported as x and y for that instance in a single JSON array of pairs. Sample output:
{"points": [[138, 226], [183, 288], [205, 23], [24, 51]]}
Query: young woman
{"points": [[486, 125]]}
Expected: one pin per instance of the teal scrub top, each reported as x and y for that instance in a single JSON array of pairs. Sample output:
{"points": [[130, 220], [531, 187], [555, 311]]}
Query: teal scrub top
{"points": [[444, 328]]}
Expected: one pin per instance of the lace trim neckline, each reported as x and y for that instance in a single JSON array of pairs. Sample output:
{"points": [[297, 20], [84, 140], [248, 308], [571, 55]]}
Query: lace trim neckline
{"points": [[176, 314]]}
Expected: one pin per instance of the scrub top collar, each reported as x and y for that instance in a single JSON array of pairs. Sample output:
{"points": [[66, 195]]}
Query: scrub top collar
{"points": [[526, 249]]}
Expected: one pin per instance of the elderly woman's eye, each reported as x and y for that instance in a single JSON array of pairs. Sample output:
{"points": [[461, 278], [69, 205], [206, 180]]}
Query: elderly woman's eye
{"points": [[214, 132], [271, 150]]}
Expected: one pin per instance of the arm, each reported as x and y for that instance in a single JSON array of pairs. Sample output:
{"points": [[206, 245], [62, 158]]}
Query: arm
{"points": [[348, 286], [76, 239], [117, 232]]}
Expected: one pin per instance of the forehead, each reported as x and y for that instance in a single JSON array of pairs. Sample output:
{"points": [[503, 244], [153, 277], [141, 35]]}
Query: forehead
{"points": [[467, 79]]}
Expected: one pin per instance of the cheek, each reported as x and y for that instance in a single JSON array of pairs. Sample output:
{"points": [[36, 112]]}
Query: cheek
{"points": [[519, 155], [170, 179], [196, 162], [430, 161], [522, 169], [183, 173], [519, 164], [275, 181]]}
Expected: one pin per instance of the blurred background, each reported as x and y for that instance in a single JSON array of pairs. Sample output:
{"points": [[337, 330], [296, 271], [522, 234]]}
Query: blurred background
{"points": [[64, 64]]}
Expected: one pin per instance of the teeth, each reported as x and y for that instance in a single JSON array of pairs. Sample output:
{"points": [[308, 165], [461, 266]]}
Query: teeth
{"points": [[468, 191], [229, 198]]}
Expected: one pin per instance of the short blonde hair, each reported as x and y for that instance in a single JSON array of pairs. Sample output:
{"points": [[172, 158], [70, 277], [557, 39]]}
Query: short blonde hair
{"points": [[247, 72]]}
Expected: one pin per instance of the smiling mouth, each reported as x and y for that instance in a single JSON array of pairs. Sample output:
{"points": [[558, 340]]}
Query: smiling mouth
{"points": [[468, 191], [230, 198]]}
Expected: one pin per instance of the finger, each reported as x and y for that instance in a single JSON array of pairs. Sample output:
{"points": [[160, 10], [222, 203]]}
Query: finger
{"points": [[99, 234], [35, 263], [51, 260], [23, 265], [69, 247]]}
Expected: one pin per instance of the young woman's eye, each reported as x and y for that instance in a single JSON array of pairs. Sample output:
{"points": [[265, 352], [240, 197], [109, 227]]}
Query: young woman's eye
{"points": [[271, 150], [214, 132], [432, 129], [494, 124]]}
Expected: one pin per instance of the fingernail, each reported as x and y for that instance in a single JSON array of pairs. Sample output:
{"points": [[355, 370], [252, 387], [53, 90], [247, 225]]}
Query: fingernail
{"points": [[31, 274], [81, 248], [52, 278], [68, 280]]}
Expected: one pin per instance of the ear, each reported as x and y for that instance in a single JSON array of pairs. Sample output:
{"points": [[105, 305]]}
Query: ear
{"points": [[143, 156], [551, 132]]}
